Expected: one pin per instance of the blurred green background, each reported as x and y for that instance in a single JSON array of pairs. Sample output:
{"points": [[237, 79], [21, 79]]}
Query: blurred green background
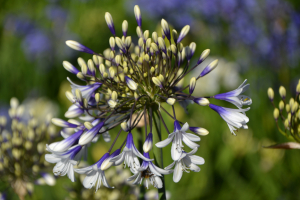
{"points": [[255, 40]]}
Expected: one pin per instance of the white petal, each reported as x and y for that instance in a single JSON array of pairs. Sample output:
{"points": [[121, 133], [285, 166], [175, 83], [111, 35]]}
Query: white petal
{"points": [[170, 166], [192, 137], [197, 160], [185, 127], [177, 174], [188, 142], [165, 142]]}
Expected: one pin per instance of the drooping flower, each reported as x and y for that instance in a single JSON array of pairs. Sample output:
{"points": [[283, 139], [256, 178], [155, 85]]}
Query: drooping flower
{"points": [[233, 117], [235, 96], [186, 162], [177, 137], [150, 172]]}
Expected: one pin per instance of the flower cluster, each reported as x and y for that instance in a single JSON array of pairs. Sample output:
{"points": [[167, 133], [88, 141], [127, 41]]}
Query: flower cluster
{"points": [[22, 149], [128, 84], [289, 113]]}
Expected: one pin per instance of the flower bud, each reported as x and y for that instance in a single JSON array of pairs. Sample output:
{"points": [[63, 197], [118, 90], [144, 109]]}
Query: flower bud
{"points": [[192, 48], [78, 47], [161, 44], [114, 95], [154, 47], [287, 108], [199, 131], [282, 92], [276, 113], [124, 27], [183, 33], [271, 94], [165, 28], [146, 34], [112, 43], [157, 82], [138, 16], [139, 32], [201, 101], [209, 68], [155, 37], [88, 125], [130, 83], [91, 66], [70, 68], [192, 85], [128, 42], [281, 105], [124, 126], [171, 101], [110, 23], [203, 56], [148, 143]]}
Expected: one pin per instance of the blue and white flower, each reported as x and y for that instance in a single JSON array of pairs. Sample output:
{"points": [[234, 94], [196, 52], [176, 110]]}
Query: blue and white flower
{"points": [[235, 96], [86, 90], [186, 162], [177, 137], [65, 161], [150, 172], [233, 117], [129, 155], [94, 174]]}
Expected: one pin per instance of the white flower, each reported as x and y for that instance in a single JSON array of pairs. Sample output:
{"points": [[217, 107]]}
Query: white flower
{"points": [[94, 174], [177, 137], [233, 117], [235, 96], [186, 162], [129, 155], [150, 172], [65, 160]]}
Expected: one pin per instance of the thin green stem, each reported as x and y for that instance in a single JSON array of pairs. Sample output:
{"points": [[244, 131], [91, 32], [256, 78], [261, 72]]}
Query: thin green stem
{"points": [[158, 153]]}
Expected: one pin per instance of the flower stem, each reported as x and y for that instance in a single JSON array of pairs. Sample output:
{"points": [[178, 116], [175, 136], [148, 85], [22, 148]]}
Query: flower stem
{"points": [[140, 146], [158, 154]]}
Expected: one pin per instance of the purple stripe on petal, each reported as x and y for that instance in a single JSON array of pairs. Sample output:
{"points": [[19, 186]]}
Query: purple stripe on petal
{"points": [[129, 141], [74, 151], [177, 126], [100, 161]]}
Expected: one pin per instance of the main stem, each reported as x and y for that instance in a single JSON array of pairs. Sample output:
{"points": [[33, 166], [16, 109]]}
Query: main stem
{"points": [[158, 154], [140, 146]]}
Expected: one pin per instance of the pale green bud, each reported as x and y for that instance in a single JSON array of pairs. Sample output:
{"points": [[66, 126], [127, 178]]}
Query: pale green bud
{"points": [[173, 49], [148, 43], [88, 125], [287, 108], [156, 81], [141, 42], [154, 47], [276, 113], [171, 101], [114, 95], [286, 124], [112, 103], [128, 41], [91, 66], [282, 92], [96, 60], [102, 68], [112, 43], [146, 34], [118, 60], [139, 32], [80, 76], [97, 97], [124, 26], [281, 105], [155, 37], [105, 75], [271, 94], [161, 43], [112, 72]]}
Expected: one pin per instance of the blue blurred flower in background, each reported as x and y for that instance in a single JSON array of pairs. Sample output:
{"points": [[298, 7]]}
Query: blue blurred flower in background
{"points": [[42, 41], [267, 30]]}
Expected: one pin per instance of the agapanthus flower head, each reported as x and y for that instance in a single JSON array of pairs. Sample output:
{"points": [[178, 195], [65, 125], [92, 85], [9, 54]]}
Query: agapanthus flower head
{"points": [[22, 141], [129, 84]]}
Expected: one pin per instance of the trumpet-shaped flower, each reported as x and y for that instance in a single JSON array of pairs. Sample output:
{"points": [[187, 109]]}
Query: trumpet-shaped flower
{"points": [[150, 172], [235, 96], [177, 137], [129, 155], [186, 162], [233, 117]]}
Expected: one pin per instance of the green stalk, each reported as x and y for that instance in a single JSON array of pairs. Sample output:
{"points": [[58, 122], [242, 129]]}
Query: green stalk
{"points": [[140, 146], [158, 154]]}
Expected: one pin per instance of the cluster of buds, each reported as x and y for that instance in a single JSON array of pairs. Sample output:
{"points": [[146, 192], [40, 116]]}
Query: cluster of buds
{"points": [[22, 149], [129, 83], [289, 113]]}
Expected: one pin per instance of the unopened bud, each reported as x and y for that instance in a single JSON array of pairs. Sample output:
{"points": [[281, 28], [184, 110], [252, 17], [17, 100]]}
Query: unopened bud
{"points": [[171, 101], [271, 94], [276, 113], [282, 92]]}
